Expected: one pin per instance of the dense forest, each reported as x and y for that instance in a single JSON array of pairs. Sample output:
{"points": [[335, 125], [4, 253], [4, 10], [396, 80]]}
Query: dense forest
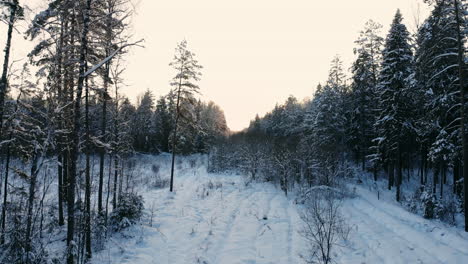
{"points": [[65, 105], [70, 138]]}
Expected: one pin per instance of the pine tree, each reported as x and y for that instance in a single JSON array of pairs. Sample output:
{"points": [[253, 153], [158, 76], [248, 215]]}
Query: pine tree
{"points": [[184, 83]]}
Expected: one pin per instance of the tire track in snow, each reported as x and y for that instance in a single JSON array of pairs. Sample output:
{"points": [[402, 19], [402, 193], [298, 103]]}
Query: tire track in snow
{"points": [[230, 225], [263, 227], [398, 240], [373, 246], [409, 228], [209, 239], [419, 227], [290, 229], [277, 243], [364, 239]]}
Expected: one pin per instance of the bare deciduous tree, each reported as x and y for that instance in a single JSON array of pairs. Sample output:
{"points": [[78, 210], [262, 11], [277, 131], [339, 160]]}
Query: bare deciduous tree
{"points": [[324, 226]]}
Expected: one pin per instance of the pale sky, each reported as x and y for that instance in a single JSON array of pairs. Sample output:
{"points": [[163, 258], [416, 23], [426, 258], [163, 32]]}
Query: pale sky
{"points": [[255, 53]]}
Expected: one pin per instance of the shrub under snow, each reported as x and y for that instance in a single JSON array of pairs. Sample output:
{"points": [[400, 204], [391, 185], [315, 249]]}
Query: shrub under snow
{"points": [[128, 211]]}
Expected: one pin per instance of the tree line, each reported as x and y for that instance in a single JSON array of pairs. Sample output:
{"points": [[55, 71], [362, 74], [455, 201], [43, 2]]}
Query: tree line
{"points": [[398, 115]]}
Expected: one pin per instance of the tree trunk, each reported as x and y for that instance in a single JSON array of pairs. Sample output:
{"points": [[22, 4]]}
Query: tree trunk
{"points": [[29, 218], [426, 164], [174, 137], [435, 178], [391, 174], [66, 173], [116, 178], [87, 239], [461, 64], [423, 159], [7, 171], [76, 137], [60, 190], [101, 178], [375, 171], [444, 172], [117, 140], [104, 108], [60, 140], [5, 192], [121, 181], [6, 59], [109, 177], [399, 174], [442, 179], [456, 176], [409, 168]]}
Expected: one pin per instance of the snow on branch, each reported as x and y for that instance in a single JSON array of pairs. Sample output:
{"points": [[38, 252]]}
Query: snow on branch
{"points": [[113, 54]]}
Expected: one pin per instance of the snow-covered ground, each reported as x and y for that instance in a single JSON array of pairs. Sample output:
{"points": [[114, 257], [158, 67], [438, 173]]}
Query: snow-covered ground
{"points": [[387, 233], [216, 219]]}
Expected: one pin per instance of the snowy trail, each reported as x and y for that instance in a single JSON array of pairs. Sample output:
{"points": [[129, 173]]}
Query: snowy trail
{"points": [[386, 233], [216, 219]]}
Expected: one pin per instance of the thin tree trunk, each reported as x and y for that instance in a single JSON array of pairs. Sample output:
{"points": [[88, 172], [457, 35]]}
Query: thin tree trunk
{"points": [[426, 164], [104, 107], [442, 179], [363, 164], [109, 177], [399, 174], [116, 178], [68, 97], [391, 174], [60, 191], [435, 178], [409, 168], [461, 64], [60, 124], [29, 219], [422, 166], [5, 192], [375, 171], [116, 157], [174, 137], [118, 170], [75, 136], [7, 171], [6, 59], [87, 181], [121, 180], [444, 172], [66, 173], [456, 176]]}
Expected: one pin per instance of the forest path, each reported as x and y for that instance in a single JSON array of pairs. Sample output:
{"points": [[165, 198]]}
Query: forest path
{"points": [[216, 219]]}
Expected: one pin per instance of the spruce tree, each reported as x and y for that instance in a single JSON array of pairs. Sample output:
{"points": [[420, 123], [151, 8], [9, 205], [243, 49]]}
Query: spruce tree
{"points": [[363, 90], [393, 125]]}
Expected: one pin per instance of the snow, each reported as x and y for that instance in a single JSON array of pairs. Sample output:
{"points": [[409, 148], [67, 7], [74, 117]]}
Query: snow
{"points": [[217, 218], [213, 219], [387, 233]]}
